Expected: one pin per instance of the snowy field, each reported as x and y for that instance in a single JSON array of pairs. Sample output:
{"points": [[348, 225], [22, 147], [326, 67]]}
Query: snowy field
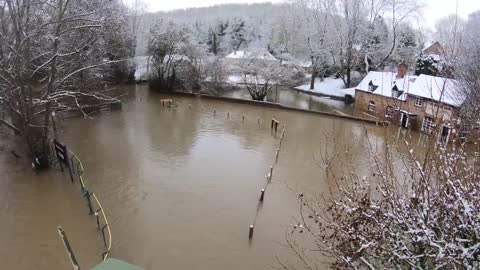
{"points": [[329, 87]]}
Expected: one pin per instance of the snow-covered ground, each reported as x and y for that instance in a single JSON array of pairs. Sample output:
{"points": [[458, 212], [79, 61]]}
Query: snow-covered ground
{"points": [[260, 54], [330, 87]]}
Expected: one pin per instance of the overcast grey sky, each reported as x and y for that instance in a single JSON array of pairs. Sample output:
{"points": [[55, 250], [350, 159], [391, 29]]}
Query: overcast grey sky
{"points": [[434, 9]]}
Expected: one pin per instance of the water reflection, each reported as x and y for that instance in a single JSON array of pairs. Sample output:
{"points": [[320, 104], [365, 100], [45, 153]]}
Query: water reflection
{"points": [[292, 98]]}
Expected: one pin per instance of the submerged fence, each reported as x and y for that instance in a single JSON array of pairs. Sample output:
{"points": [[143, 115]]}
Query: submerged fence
{"points": [[67, 159], [274, 125]]}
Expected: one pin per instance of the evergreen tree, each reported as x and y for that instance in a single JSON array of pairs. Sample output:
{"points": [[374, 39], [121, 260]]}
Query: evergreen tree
{"points": [[426, 65], [237, 33]]}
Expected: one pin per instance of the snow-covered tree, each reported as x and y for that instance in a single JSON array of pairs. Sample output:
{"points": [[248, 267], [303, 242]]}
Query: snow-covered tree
{"points": [[376, 39], [449, 31], [260, 75], [52, 59], [467, 71], [406, 47], [216, 74], [166, 47], [237, 33], [216, 37], [413, 211], [428, 65]]}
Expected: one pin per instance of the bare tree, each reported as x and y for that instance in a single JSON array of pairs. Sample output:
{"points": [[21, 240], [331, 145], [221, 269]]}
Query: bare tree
{"points": [[260, 75], [467, 72], [411, 211], [449, 31], [50, 54], [167, 46]]}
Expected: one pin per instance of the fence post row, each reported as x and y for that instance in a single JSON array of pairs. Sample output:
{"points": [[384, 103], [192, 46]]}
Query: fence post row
{"points": [[274, 125], [76, 167]]}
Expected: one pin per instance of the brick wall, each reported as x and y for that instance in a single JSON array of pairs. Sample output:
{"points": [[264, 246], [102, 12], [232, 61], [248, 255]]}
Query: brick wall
{"points": [[362, 100]]}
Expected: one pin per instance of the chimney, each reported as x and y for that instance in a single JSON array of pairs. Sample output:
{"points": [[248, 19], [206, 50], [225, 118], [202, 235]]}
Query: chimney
{"points": [[402, 70]]}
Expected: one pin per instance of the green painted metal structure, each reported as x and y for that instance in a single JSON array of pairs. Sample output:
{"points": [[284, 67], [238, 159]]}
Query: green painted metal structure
{"points": [[113, 264]]}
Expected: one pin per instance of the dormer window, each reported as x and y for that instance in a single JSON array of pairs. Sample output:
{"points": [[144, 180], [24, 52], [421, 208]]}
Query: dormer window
{"points": [[396, 92], [371, 86]]}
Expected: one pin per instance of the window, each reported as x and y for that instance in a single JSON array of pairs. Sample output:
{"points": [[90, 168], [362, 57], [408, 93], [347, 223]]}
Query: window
{"points": [[389, 112], [371, 106], [395, 93], [427, 125], [372, 87], [418, 101]]}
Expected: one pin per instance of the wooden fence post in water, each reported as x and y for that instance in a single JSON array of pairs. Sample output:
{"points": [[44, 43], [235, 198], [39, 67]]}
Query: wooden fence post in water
{"points": [[262, 194], [243, 117], [89, 201], [98, 220], [276, 155], [274, 125], [68, 248], [103, 235], [250, 232], [214, 112], [271, 172]]}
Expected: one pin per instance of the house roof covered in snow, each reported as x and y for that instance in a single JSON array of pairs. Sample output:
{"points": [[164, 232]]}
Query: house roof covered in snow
{"points": [[386, 84], [438, 89], [430, 87], [252, 54]]}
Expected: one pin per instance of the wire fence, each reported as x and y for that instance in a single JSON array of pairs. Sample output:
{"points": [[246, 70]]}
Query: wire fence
{"points": [[68, 160]]}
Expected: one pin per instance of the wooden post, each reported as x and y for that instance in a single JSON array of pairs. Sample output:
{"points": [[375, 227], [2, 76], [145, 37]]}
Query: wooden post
{"points": [[98, 220], [214, 112], [276, 156], [68, 248], [274, 125], [271, 172], [243, 118], [262, 194], [103, 234], [89, 201], [250, 232]]}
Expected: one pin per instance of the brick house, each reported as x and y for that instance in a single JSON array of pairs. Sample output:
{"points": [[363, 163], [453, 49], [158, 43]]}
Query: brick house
{"points": [[416, 102], [434, 49]]}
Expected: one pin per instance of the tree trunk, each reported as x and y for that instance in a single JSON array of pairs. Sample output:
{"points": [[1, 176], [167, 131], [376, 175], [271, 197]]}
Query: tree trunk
{"points": [[349, 77], [312, 80]]}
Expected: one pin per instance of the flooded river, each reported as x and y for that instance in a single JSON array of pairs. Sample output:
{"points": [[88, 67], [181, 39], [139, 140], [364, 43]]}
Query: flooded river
{"points": [[180, 186], [292, 98]]}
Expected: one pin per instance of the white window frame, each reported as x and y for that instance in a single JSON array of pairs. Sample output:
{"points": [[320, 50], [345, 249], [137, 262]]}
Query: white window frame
{"points": [[395, 93], [428, 126], [389, 113], [372, 106], [418, 102]]}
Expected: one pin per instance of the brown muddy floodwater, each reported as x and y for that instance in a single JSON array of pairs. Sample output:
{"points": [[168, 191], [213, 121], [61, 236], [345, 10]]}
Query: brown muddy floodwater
{"points": [[180, 186]]}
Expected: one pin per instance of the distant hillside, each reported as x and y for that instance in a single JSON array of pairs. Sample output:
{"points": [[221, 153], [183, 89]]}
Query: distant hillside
{"points": [[258, 19]]}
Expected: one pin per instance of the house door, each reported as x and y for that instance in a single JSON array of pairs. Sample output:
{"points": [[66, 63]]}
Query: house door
{"points": [[445, 134], [404, 120]]}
